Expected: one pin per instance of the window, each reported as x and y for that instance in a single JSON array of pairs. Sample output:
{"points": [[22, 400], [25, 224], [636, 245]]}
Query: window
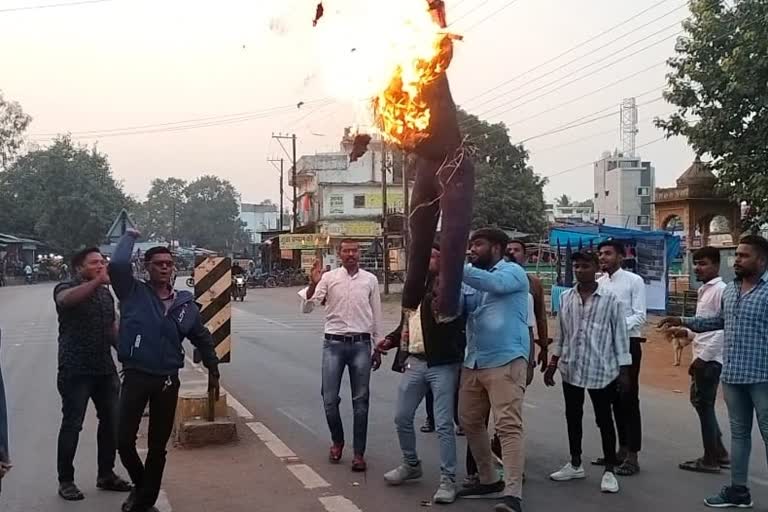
{"points": [[643, 191], [359, 201], [629, 164], [607, 192], [643, 220], [596, 194]]}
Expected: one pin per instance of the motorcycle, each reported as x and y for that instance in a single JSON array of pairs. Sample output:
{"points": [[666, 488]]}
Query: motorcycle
{"points": [[262, 281], [238, 288]]}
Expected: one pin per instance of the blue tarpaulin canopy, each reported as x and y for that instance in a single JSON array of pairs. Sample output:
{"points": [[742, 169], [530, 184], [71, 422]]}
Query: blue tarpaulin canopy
{"points": [[653, 250]]}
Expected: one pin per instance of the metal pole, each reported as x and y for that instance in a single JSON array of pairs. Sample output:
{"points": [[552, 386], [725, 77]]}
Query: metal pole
{"points": [[281, 195], [384, 239], [295, 200]]}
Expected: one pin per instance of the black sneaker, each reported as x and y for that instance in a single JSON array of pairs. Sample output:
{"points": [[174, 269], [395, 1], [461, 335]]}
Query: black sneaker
{"points": [[129, 501], [730, 497], [482, 490], [510, 504]]}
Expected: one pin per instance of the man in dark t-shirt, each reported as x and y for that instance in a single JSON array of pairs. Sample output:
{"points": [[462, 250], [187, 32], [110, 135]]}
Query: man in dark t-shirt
{"points": [[87, 332]]}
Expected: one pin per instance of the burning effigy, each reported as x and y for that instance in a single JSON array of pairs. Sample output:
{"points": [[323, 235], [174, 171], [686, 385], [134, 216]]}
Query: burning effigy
{"points": [[402, 70]]}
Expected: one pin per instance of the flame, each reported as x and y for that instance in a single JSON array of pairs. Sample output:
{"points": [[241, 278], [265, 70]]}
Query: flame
{"points": [[385, 54]]}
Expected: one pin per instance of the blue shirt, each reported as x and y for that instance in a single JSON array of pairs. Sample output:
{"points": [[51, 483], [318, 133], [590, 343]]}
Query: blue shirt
{"points": [[497, 315], [744, 319]]}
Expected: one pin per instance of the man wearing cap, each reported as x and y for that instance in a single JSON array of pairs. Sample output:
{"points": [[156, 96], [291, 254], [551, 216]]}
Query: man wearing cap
{"points": [[591, 350]]}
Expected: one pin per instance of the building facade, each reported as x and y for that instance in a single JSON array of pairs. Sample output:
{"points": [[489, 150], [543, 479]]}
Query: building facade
{"points": [[571, 214], [261, 218], [624, 191]]}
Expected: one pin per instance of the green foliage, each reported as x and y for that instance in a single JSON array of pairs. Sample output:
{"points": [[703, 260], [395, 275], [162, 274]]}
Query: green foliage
{"points": [[209, 215], [719, 83], [159, 215], [507, 192], [64, 195], [13, 124]]}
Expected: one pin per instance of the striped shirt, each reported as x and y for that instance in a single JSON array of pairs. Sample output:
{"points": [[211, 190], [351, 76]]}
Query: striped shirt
{"points": [[591, 339], [744, 320]]}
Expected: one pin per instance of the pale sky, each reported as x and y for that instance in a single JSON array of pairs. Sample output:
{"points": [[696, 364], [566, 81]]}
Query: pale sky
{"points": [[166, 65]]}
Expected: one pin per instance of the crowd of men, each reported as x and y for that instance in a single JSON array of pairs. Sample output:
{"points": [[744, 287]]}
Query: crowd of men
{"points": [[477, 365]]}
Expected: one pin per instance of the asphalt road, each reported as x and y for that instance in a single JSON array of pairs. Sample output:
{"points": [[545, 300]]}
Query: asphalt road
{"points": [[276, 374]]}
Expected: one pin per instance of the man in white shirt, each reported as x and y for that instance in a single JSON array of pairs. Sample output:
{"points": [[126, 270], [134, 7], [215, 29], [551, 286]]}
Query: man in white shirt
{"points": [[591, 350], [707, 362], [630, 289], [352, 324]]}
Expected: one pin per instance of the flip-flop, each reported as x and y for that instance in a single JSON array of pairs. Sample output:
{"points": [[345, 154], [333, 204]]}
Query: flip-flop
{"points": [[70, 492], [698, 466], [627, 468]]}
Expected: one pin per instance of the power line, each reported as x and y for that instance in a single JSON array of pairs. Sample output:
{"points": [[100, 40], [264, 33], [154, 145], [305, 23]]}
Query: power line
{"points": [[51, 6], [467, 13], [494, 13], [601, 59], [573, 48], [172, 126], [581, 166], [578, 79]]}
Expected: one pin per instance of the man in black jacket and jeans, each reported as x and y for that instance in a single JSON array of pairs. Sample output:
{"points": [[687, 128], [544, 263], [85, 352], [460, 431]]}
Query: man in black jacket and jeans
{"points": [[155, 319], [430, 355]]}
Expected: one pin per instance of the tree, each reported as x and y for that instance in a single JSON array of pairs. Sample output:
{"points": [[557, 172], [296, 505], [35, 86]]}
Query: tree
{"points": [[160, 214], [13, 124], [64, 195], [209, 217], [507, 192], [718, 83], [588, 202], [563, 200]]}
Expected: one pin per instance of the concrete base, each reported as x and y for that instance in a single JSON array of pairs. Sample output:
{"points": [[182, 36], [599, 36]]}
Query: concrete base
{"points": [[196, 433]]}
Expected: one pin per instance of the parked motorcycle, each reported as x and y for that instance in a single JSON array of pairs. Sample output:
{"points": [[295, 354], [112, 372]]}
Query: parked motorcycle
{"points": [[238, 288], [262, 281]]}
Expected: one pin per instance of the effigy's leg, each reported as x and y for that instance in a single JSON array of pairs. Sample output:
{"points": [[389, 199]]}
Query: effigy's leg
{"points": [[458, 186], [425, 211]]}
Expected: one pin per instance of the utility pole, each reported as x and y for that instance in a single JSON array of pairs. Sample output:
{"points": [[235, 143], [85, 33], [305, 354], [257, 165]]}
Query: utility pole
{"points": [[384, 238], [292, 156], [280, 217], [406, 207]]}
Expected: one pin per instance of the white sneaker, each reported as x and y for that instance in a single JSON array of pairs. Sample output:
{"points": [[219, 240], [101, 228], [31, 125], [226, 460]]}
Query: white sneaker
{"points": [[446, 493], [402, 473], [609, 483], [568, 472]]}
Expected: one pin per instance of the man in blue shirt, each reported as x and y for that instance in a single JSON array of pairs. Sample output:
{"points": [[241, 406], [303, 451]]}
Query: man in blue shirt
{"points": [[744, 322], [496, 368]]}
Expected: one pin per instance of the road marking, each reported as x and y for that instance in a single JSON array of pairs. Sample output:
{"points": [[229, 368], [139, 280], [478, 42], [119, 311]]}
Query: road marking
{"points": [[275, 445], [239, 408], [338, 504], [297, 421], [530, 405], [759, 481], [307, 476], [264, 318]]}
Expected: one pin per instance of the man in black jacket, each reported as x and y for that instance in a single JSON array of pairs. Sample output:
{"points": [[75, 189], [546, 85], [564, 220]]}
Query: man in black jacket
{"points": [[430, 355], [154, 320]]}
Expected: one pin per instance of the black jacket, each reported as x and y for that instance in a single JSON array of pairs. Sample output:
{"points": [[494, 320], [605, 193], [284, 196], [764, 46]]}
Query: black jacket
{"points": [[444, 343]]}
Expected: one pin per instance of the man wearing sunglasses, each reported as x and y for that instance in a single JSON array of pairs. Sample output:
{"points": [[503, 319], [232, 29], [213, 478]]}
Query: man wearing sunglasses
{"points": [[154, 320]]}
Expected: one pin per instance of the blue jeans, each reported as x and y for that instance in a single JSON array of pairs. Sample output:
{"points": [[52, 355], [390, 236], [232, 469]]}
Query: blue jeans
{"points": [[443, 381], [357, 357], [743, 401]]}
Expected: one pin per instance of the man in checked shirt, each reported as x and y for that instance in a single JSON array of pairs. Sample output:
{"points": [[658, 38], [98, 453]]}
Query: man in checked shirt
{"points": [[591, 350], [744, 320]]}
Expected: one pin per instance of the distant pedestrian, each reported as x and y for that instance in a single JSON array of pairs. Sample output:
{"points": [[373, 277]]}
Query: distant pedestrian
{"points": [[352, 324], [744, 322], [154, 320], [429, 355], [496, 366], [517, 252], [591, 350], [87, 370], [707, 362], [630, 289]]}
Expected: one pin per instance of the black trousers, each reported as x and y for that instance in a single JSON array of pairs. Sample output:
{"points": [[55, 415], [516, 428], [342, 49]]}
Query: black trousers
{"points": [[76, 391], [161, 393], [626, 404], [574, 414], [705, 379]]}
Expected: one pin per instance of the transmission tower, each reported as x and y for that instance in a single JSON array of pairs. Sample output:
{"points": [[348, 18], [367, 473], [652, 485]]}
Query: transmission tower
{"points": [[628, 126]]}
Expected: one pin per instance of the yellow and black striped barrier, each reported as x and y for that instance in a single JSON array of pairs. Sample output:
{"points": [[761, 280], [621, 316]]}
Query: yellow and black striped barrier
{"points": [[213, 282]]}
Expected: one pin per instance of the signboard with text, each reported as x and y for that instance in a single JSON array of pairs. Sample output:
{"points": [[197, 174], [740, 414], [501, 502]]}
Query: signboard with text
{"points": [[306, 241]]}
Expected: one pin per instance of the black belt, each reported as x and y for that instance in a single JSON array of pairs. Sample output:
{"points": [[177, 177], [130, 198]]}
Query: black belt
{"points": [[348, 338], [637, 339]]}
